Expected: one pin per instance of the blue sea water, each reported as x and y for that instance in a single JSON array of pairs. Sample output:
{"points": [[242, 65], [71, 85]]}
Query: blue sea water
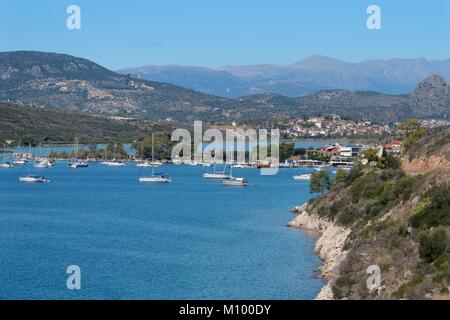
{"points": [[192, 239]]}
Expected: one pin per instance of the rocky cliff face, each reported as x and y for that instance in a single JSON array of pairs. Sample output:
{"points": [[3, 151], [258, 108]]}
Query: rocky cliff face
{"points": [[426, 165], [329, 247], [431, 98], [429, 154]]}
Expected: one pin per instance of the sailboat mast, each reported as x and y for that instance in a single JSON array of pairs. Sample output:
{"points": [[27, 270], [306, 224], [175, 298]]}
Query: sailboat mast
{"points": [[76, 148], [153, 151]]}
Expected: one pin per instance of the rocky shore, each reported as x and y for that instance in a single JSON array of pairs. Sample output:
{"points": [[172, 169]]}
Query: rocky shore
{"points": [[329, 246]]}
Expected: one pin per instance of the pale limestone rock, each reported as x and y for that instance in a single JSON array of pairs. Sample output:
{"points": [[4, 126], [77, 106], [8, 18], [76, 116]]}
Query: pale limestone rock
{"points": [[329, 247]]}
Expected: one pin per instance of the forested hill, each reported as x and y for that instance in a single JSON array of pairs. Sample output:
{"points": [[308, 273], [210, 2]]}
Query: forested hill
{"points": [[50, 125]]}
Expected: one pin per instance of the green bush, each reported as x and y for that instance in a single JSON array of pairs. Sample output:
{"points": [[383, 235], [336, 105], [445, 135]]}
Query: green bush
{"points": [[320, 182], [432, 244], [436, 209], [393, 163], [341, 177], [355, 173], [442, 265], [403, 188], [347, 217]]}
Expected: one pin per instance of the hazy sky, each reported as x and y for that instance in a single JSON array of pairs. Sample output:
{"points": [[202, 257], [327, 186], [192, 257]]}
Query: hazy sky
{"points": [[211, 33]]}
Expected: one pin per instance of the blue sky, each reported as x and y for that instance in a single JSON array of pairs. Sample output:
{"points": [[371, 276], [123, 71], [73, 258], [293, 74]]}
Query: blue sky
{"points": [[217, 32]]}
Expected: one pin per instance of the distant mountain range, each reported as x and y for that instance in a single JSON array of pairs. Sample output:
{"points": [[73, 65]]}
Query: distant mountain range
{"points": [[74, 84], [395, 76]]}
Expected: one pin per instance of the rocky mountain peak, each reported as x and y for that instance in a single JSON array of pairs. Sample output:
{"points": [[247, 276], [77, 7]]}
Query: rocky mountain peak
{"points": [[431, 97]]}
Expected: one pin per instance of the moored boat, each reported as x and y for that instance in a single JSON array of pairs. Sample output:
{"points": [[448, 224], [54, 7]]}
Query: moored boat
{"points": [[6, 165], [235, 182], [78, 164], [33, 179], [154, 177], [216, 175], [303, 177]]}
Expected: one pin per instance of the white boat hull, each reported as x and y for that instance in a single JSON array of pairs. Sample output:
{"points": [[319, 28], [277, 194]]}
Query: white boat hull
{"points": [[144, 165], [235, 182], [77, 165], [33, 180], [114, 164], [155, 180], [304, 177], [216, 176]]}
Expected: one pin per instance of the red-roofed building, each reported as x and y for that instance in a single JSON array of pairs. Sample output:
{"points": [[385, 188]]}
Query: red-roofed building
{"points": [[395, 147]]}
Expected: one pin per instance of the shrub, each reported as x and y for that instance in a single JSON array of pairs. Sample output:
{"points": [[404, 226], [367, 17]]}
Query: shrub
{"points": [[320, 182], [403, 188], [341, 177], [442, 265], [434, 209], [393, 163], [347, 217], [433, 244], [354, 174]]}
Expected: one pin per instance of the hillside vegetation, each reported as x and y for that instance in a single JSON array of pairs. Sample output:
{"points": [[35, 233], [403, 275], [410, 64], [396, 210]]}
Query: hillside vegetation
{"points": [[47, 125], [398, 222]]}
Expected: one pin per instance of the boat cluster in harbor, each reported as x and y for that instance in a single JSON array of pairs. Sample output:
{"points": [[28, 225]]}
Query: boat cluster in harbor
{"points": [[225, 175], [78, 159], [33, 163]]}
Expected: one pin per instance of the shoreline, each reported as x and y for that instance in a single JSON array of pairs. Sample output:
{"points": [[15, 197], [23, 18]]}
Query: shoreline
{"points": [[329, 246]]}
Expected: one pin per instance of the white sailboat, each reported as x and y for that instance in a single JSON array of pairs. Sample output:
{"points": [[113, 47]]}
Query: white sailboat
{"points": [[114, 162], [76, 163], [216, 175], [154, 178], [19, 159], [234, 182], [42, 162], [32, 178]]}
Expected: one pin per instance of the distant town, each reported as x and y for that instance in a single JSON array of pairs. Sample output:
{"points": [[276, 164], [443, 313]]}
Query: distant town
{"points": [[337, 127]]}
